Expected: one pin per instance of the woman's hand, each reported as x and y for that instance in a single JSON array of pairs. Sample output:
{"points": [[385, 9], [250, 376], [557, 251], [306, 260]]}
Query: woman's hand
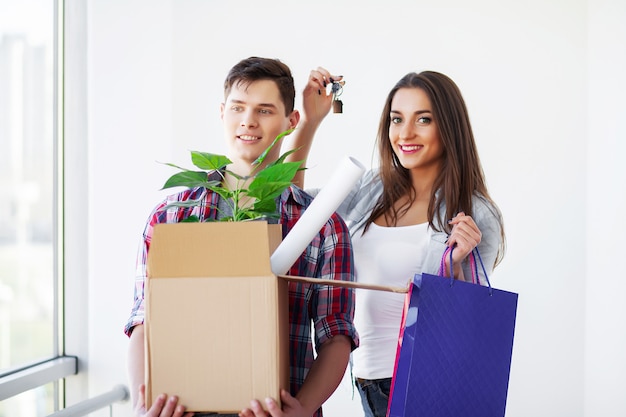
{"points": [[316, 103], [464, 237], [316, 98]]}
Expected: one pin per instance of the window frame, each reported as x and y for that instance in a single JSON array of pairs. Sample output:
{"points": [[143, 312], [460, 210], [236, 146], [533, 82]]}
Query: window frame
{"points": [[54, 370]]}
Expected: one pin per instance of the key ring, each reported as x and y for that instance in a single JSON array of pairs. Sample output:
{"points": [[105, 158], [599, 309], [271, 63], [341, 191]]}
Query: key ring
{"points": [[336, 89]]}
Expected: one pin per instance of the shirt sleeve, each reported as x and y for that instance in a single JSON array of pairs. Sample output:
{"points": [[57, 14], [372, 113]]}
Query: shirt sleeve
{"points": [[161, 214], [334, 306], [488, 220], [357, 207], [137, 313]]}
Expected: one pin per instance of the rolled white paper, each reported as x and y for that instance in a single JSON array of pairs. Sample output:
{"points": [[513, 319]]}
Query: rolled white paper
{"points": [[316, 215]]}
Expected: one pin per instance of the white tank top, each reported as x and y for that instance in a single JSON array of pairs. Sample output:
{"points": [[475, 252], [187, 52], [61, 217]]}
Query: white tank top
{"points": [[385, 256]]}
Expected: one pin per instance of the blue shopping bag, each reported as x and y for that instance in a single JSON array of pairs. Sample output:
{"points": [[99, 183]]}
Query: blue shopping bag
{"points": [[454, 351]]}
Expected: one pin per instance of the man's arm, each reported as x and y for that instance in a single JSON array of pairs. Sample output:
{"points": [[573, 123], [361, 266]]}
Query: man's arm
{"points": [[326, 373], [320, 383], [335, 335], [163, 405], [136, 363]]}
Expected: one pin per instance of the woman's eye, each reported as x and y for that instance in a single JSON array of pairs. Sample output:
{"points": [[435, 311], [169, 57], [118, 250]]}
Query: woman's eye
{"points": [[424, 120], [396, 120]]}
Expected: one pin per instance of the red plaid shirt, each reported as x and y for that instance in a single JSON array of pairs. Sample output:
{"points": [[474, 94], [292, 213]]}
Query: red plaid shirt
{"points": [[328, 309]]}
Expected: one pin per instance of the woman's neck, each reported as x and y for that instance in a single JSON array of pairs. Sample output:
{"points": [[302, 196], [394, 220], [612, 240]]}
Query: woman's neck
{"points": [[415, 211]]}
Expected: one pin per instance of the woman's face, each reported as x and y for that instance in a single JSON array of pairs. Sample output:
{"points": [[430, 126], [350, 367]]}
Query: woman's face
{"points": [[413, 133]]}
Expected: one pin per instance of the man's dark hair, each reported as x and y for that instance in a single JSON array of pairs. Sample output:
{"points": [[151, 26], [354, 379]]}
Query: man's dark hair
{"points": [[253, 69]]}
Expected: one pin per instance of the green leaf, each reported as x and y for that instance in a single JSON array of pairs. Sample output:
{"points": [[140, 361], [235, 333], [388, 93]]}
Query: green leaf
{"points": [[268, 190], [276, 173], [281, 159], [237, 176], [267, 205], [189, 179], [209, 161], [271, 182], [187, 203], [226, 219], [265, 186], [174, 166], [261, 157], [191, 219], [269, 214], [225, 193]]}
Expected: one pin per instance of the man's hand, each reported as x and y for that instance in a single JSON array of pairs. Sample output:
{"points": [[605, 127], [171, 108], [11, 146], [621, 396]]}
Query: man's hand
{"points": [[163, 406], [291, 407]]}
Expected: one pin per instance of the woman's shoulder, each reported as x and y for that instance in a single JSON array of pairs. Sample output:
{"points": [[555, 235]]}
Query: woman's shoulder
{"points": [[366, 190], [484, 208], [371, 176], [370, 182], [489, 220]]}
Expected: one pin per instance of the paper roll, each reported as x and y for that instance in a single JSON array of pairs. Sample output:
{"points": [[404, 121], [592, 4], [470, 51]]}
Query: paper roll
{"points": [[316, 215]]}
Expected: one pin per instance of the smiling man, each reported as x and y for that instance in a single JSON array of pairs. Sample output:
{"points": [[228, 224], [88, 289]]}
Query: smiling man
{"points": [[259, 97], [254, 113]]}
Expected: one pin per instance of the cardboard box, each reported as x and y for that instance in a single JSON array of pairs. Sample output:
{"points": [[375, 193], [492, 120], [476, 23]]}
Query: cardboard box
{"points": [[216, 316]]}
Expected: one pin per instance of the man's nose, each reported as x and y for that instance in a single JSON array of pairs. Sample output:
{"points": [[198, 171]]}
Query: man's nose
{"points": [[249, 119]]}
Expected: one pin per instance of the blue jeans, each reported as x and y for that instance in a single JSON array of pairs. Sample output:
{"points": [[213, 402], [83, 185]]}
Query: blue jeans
{"points": [[374, 396]]}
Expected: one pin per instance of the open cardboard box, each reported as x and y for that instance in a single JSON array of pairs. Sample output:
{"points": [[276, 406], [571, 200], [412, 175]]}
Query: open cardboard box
{"points": [[217, 316]]}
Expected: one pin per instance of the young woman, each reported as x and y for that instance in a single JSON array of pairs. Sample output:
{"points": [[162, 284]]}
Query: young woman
{"points": [[427, 195]]}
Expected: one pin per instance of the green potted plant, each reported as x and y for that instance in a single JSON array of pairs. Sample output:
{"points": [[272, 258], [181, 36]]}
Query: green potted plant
{"points": [[263, 185], [210, 253], [222, 274]]}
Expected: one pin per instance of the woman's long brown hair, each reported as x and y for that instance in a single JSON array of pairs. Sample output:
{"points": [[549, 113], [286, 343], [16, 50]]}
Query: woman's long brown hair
{"points": [[461, 175]]}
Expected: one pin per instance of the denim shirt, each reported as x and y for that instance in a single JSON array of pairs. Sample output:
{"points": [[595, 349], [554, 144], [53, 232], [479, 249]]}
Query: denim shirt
{"points": [[357, 206]]}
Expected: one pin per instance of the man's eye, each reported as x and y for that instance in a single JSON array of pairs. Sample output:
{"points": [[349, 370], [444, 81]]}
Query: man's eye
{"points": [[236, 108], [265, 111]]}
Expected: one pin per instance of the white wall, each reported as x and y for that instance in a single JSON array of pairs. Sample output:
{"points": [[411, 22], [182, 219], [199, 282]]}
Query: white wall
{"points": [[542, 81], [605, 337]]}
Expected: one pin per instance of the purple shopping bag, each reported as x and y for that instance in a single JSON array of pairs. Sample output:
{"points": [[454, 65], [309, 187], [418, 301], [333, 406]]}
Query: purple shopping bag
{"points": [[454, 351]]}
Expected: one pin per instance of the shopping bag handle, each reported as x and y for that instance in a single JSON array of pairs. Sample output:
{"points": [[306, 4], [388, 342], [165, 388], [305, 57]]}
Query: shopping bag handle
{"points": [[473, 264]]}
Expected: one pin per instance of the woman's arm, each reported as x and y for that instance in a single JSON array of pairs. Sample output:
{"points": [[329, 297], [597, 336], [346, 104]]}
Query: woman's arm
{"points": [[488, 220], [316, 103]]}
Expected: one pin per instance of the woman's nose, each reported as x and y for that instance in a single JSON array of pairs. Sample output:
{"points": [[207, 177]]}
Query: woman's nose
{"points": [[407, 130]]}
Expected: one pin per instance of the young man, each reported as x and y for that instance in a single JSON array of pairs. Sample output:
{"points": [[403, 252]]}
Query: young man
{"points": [[259, 105]]}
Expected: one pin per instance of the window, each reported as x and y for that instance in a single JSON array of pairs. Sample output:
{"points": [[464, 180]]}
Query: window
{"points": [[28, 215]]}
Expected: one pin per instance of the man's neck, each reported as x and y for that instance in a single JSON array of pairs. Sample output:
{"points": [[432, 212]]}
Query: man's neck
{"points": [[245, 168], [233, 182], [241, 168]]}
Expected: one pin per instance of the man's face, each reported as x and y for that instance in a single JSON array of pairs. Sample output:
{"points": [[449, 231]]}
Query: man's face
{"points": [[253, 115]]}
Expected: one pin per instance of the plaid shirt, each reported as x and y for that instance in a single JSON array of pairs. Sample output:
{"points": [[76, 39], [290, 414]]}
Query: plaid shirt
{"points": [[329, 256]]}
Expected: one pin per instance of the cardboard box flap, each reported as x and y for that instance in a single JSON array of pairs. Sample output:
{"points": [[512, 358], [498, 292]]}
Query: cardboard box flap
{"points": [[212, 249]]}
